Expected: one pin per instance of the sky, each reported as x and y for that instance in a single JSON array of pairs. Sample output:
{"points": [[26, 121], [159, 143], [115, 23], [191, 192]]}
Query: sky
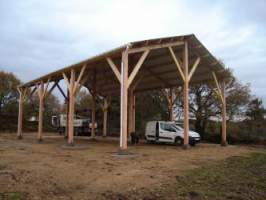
{"points": [[38, 37]]}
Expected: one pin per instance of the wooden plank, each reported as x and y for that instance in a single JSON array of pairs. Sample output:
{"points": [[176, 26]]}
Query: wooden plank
{"points": [[157, 46], [177, 63], [114, 68], [195, 65], [137, 67]]}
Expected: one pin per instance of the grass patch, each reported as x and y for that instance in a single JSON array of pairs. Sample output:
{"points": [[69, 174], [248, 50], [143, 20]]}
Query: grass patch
{"points": [[234, 178], [12, 196]]}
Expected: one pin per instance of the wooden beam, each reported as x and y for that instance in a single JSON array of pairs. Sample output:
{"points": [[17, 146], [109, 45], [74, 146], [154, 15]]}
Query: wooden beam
{"points": [[93, 113], [177, 63], [221, 94], [66, 79], [81, 74], [41, 109], [224, 141], [105, 115], [218, 87], [80, 85], [46, 88], [195, 65], [114, 68], [77, 83], [20, 113], [186, 95], [123, 102], [134, 113], [157, 46], [137, 67], [71, 109]]}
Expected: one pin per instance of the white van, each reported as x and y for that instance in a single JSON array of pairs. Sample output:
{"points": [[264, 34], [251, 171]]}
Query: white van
{"points": [[168, 132]]}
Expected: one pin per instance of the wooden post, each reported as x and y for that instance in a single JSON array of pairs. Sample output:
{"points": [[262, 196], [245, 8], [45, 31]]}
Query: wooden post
{"points": [[186, 104], [221, 93], [170, 103], [105, 114], [20, 112], [67, 115], [130, 111], [93, 117], [41, 109], [71, 109], [123, 102], [186, 77], [73, 87], [134, 113], [224, 141], [93, 105], [42, 93]]}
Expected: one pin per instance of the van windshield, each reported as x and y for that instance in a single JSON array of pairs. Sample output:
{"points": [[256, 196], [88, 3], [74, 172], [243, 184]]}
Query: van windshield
{"points": [[168, 127]]}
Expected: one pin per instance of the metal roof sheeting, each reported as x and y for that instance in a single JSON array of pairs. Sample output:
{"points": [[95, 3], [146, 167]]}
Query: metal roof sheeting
{"points": [[157, 71]]}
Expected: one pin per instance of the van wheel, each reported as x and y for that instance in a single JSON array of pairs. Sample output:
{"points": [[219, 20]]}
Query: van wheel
{"points": [[179, 141]]}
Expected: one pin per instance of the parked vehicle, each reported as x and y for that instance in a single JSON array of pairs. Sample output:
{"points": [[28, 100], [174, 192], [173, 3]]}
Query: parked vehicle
{"points": [[82, 126], [168, 132]]}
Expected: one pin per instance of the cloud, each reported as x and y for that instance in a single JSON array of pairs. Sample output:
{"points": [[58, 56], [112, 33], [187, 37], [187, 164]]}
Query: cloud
{"points": [[42, 36]]}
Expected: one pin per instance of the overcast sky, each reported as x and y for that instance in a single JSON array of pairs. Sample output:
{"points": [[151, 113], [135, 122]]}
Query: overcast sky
{"points": [[38, 37]]}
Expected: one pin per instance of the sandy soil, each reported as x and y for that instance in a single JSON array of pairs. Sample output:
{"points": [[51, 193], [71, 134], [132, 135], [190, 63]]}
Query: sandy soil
{"points": [[48, 171]]}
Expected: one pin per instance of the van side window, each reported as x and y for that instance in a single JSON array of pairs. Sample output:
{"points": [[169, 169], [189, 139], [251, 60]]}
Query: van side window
{"points": [[167, 127]]}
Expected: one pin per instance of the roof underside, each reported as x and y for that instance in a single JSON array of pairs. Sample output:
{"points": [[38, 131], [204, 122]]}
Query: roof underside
{"points": [[157, 71]]}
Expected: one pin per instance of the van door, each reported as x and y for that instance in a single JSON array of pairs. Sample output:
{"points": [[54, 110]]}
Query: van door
{"points": [[166, 132]]}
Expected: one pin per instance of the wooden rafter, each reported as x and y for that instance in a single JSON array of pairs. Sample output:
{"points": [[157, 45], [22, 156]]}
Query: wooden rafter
{"points": [[219, 93], [194, 67], [114, 68], [177, 63], [79, 78], [137, 67]]}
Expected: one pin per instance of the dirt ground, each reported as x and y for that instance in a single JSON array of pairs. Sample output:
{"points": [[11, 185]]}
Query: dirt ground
{"points": [[47, 170]]}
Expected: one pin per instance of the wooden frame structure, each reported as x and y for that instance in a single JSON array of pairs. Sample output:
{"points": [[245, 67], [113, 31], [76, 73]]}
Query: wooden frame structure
{"points": [[134, 67]]}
